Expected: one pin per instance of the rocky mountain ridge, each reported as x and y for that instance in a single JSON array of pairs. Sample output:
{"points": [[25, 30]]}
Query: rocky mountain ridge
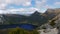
{"points": [[36, 18]]}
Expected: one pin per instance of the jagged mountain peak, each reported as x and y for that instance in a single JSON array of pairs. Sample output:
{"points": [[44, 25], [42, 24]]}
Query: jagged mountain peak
{"points": [[56, 11], [36, 13], [51, 13], [35, 18]]}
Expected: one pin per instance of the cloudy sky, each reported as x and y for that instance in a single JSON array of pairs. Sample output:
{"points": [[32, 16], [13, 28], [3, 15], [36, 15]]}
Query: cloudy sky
{"points": [[27, 6]]}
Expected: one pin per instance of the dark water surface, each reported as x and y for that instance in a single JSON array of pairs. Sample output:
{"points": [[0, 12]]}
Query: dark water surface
{"points": [[24, 26]]}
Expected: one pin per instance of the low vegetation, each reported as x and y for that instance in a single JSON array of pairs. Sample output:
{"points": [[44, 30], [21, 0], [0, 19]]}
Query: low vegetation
{"points": [[52, 23], [19, 31]]}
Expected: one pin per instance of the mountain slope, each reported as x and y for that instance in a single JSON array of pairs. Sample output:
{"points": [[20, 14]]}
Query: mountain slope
{"points": [[12, 18], [36, 18]]}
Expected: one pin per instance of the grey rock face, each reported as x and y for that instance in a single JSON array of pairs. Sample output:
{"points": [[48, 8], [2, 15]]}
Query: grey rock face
{"points": [[58, 23], [1, 19]]}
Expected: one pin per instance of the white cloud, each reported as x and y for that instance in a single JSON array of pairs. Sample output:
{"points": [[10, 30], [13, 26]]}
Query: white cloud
{"points": [[19, 11], [41, 3], [1, 11], [13, 10], [4, 3], [44, 0], [2, 6], [47, 6], [34, 9], [17, 2], [22, 2], [57, 3], [27, 4]]}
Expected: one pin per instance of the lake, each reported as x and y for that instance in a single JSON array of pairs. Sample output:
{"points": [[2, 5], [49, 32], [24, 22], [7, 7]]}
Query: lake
{"points": [[23, 26]]}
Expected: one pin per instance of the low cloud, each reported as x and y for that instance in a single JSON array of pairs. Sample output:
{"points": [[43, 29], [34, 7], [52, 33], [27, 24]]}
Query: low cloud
{"points": [[19, 11]]}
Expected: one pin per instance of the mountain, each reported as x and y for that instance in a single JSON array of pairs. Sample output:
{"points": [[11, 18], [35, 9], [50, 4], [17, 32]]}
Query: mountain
{"points": [[54, 20], [36, 18], [51, 13], [12, 18]]}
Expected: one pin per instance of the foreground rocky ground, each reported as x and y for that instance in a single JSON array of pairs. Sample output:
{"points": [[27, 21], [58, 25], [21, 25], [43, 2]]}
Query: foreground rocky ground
{"points": [[49, 31]]}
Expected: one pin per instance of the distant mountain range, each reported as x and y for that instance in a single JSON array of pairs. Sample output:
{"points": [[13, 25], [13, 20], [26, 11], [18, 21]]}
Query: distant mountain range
{"points": [[36, 18]]}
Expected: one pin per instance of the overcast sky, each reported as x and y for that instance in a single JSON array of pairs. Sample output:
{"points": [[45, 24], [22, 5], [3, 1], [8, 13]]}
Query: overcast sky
{"points": [[27, 6]]}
